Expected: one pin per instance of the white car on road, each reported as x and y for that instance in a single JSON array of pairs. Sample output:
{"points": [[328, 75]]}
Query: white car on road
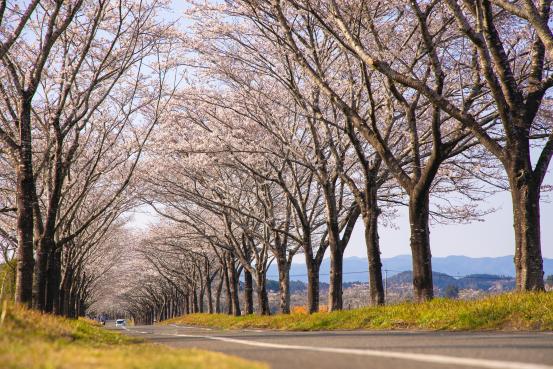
{"points": [[120, 323]]}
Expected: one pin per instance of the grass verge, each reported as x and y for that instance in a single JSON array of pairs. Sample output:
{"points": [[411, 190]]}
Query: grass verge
{"points": [[511, 311], [30, 340]]}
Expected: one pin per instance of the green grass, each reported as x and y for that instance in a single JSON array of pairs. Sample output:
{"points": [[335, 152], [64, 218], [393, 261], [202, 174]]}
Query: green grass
{"points": [[30, 340], [511, 311]]}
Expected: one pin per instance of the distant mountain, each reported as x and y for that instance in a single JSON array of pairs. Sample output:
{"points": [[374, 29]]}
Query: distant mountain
{"points": [[440, 280], [355, 268], [403, 280], [485, 281]]}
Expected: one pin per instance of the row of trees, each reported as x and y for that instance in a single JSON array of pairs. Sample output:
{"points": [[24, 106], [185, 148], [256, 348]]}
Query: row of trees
{"points": [[303, 116], [264, 130], [82, 84]]}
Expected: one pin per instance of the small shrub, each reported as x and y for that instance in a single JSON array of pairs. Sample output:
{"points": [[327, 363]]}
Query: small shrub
{"points": [[451, 292], [299, 310]]}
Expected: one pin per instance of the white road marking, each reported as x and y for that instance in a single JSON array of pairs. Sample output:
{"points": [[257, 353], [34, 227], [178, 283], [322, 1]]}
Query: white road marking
{"points": [[427, 358], [253, 330], [132, 330], [187, 327]]}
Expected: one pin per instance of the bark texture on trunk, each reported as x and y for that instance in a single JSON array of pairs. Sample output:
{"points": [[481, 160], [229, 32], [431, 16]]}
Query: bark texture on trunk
{"points": [[218, 293], [234, 290], [209, 295], [195, 301], [262, 297], [284, 286], [526, 215], [201, 297], [53, 281], [312, 286], [44, 267], [248, 292], [420, 247], [24, 200], [45, 233], [335, 281], [336, 250], [39, 275], [228, 294], [376, 287]]}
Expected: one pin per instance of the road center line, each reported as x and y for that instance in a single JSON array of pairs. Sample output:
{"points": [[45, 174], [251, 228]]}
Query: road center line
{"points": [[427, 358]]}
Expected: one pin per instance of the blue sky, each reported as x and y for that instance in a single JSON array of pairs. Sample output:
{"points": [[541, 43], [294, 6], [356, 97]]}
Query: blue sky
{"points": [[492, 237]]}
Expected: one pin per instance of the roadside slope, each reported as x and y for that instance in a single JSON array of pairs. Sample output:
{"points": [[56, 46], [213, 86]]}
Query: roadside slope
{"points": [[509, 312], [30, 340]]}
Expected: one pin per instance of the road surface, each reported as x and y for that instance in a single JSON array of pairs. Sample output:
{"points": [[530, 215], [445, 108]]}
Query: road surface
{"points": [[364, 349]]}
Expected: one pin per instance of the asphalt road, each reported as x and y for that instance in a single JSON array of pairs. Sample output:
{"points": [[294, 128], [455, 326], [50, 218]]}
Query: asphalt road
{"points": [[365, 349]]}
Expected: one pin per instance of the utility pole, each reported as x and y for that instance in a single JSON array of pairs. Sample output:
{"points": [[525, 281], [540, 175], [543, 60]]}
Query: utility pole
{"points": [[386, 285]]}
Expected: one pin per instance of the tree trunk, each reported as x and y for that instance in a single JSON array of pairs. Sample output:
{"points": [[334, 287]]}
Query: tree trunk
{"points": [[195, 301], [526, 214], [233, 280], [262, 297], [335, 301], [24, 199], [227, 288], [201, 291], [248, 292], [53, 282], [284, 285], [45, 240], [44, 267], [312, 285], [65, 292], [218, 293], [43, 250], [81, 307], [62, 306], [209, 295], [420, 247], [187, 304], [70, 313], [201, 298], [370, 219]]}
